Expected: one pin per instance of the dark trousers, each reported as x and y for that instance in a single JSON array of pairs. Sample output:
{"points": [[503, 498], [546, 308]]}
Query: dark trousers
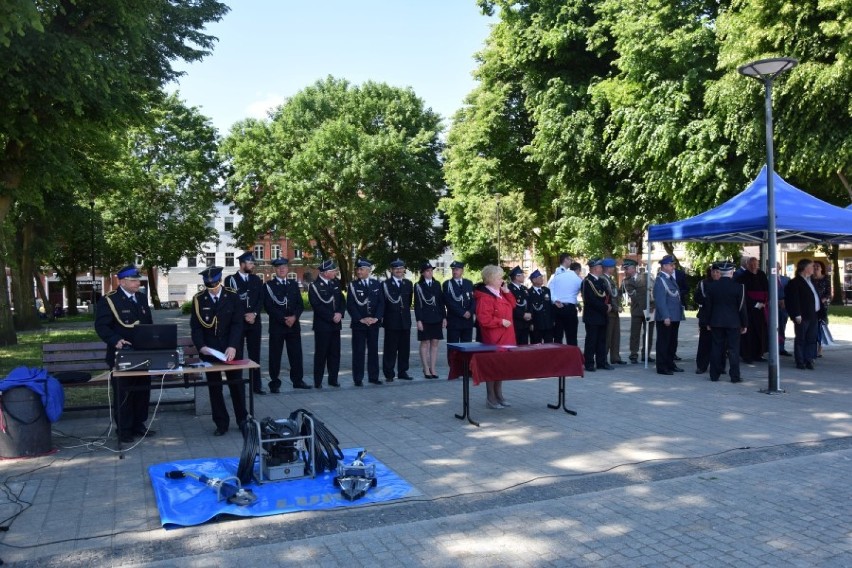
{"points": [[397, 347], [522, 335], [805, 345], [725, 342], [326, 355], [666, 345], [565, 324], [365, 339], [134, 403], [705, 346], [594, 351], [293, 340], [753, 343], [541, 336], [459, 335], [217, 398], [252, 335], [782, 328]]}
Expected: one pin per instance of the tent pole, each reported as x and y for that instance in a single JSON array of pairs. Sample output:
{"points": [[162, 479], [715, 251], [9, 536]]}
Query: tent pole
{"points": [[648, 321]]}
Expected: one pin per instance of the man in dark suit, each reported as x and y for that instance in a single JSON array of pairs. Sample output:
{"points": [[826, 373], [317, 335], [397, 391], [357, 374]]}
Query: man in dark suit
{"points": [[398, 292], [803, 305], [458, 299], [365, 303], [521, 315], [216, 322], [541, 309], [724, 313], [596, 308], [118, 313], [249, 287], [329, 306], [282, 300]]}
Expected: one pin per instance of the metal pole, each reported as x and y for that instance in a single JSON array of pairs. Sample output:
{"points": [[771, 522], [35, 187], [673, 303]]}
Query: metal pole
{"points": [[774, 385], [498, 229]]}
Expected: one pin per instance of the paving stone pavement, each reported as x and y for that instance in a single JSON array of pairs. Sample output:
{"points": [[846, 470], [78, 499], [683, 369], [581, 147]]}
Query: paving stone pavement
{"points": [[654, 470]]}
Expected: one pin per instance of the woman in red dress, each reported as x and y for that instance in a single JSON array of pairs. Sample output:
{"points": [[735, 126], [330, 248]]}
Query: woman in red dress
{"points": [[494, 305]]}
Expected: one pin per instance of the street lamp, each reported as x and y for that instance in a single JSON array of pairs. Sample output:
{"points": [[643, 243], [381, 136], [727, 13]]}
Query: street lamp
{"points": [[498, 196], [766, 71]]}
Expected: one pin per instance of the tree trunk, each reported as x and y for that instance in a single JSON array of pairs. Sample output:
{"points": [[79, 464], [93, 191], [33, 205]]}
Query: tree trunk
{"points": [[70, 282], [7, 326], [26, 315], [152, 287], [41, 290]]}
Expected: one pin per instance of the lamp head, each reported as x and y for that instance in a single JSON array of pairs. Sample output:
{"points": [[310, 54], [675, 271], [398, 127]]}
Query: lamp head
{"points": [[764, 69]]}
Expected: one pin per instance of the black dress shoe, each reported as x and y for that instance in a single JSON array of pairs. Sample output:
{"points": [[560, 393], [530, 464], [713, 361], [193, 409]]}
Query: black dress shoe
{"points": [[799, 366], [590, 369], [405, 377], [275, 390], [809, 365], [716, 380], [700, 371], [360, 384], [305, 386], [651, 360], [665, 373], [335, 385], [431, 376], [220, 431], [317, 385], [388, 379], [736, 380], [676, 358], [143, 432], [785, 353], [375, 382], [606, 367], [677, 369], [259, 391], [621, 362], [634, 361], [126, 437]]}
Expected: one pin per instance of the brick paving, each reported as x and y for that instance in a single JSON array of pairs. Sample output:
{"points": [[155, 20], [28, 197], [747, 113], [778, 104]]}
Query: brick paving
{"points": [[654, 470]]}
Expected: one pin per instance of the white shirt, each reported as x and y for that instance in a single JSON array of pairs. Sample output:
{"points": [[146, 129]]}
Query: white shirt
{"points": [[565, 286], [817, 305]]}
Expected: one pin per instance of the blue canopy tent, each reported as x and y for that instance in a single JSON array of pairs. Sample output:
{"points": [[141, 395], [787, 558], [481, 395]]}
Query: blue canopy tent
{"points": [[799, 217]]}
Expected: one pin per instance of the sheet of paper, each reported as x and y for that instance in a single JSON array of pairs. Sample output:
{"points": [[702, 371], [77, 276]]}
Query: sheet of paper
{"points": [[218, 354]]}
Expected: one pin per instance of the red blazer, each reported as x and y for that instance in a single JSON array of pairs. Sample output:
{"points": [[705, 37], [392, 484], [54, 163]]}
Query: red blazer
{"points": [[490, 311]]}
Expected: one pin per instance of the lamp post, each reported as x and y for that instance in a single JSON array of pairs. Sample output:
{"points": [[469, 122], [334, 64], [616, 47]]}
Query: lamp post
{"points": [[766, 71]]}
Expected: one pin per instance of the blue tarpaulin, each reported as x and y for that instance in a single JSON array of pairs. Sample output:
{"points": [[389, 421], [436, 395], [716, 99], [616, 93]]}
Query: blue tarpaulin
{"points": [[187, 502], [799, 217]]}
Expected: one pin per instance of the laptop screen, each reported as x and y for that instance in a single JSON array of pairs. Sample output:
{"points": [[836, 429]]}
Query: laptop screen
{"points": [[155, 336]]}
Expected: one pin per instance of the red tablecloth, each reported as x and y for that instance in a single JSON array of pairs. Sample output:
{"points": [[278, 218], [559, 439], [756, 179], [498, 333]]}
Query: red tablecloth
{"points": [[538, 361]]}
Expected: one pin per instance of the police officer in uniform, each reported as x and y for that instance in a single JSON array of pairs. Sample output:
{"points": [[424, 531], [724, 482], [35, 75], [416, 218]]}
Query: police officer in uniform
{"points": [[216, 322], [431, 316], [398, 292], [365, 303], [727, 316], [329, 305], [522, 314], [282, 300], [541, 310], [461, 307], [668, 315], [613, 322], [249, 287], [596, 307], [119, 312]]}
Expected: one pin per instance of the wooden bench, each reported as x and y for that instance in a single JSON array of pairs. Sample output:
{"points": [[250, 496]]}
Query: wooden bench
{"points": [[89, 357]]}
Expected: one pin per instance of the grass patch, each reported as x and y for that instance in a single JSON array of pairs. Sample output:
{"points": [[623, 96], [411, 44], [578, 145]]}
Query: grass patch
{"points": [[27, 352]]}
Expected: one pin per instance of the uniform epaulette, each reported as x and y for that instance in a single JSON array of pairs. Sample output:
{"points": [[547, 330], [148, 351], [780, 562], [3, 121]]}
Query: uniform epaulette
{"points": [[111, 292], [200, 293], [231, 290]]}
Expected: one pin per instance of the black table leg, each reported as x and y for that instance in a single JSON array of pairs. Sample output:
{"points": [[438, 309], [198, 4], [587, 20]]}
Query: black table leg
{"points": [[561, 401], [118, 414], [466, 396]]}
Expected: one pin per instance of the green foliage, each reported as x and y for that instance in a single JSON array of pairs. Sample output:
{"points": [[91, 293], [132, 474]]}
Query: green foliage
{"points": [[348, 170]]}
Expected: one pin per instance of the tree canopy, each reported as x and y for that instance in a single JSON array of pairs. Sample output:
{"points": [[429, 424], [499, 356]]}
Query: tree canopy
{"points": [[346, 170]]}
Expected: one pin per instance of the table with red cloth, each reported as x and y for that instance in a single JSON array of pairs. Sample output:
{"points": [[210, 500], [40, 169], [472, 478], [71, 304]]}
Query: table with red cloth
{"points": [[485, 363]]}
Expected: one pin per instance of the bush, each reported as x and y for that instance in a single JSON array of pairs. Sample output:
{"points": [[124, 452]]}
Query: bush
{"points": [[186, 308]]}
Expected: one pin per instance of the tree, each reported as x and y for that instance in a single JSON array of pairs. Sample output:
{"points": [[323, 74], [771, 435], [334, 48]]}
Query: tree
{"points": [[68, 67], [168, 180], [348, 170]]}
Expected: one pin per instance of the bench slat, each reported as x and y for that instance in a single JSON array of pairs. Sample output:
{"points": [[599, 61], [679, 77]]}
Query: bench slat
{"points": [[86, 346], [58, 357]]}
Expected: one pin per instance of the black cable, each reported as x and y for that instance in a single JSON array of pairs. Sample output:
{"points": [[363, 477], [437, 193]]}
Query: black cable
{"points": [[251, 446]]}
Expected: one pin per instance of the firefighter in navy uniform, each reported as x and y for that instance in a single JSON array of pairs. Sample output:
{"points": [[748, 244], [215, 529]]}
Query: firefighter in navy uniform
{"points": [[522, 314], [542, 322], [282, 300], [249, 287], [398, 291], [597, 305], [119, 312], [365, 303], [431, 317], [216, 322], [329, 306], [458, 299]]}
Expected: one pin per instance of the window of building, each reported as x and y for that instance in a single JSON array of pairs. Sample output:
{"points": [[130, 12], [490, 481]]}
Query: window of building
{"points": [[229, 224], [192, 261], [258, 252], [275, 252], [210, 258], [229, 259], [297, 253]]}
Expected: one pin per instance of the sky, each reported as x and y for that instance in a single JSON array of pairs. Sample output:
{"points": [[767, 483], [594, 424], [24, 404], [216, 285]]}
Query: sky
{"points": [[268, 50]]}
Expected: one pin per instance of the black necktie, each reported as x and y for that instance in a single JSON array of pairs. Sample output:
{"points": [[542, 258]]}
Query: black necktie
{"points": [[215, 301], [133, 299]]}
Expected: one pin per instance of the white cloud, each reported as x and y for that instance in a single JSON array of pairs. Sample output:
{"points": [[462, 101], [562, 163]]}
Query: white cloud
{"points": [[261, 108]]}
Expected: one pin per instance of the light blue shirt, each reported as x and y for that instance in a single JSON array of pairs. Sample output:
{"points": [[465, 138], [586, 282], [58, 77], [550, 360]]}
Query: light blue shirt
{"points": [[565, 286]]}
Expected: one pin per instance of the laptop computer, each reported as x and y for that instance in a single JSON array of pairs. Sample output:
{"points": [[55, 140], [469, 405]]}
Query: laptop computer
{"points": [[155, 337]]}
